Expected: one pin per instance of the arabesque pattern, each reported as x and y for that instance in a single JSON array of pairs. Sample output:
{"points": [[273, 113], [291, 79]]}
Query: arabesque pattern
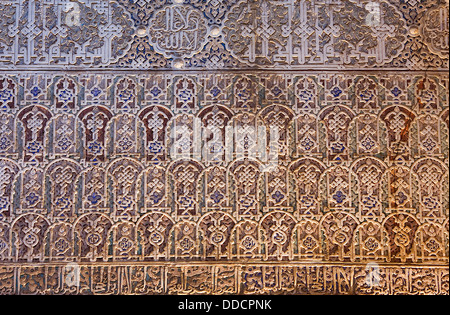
{"points": [[318, 165], [221, 34]]}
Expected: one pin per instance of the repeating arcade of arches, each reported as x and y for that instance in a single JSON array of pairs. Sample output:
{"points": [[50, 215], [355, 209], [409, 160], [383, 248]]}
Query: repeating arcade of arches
{"points": [[63, 229]]}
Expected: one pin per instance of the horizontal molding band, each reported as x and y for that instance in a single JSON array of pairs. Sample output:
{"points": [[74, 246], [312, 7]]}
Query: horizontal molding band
{"points": [[438, 265], [250, 71], [218, 279]]}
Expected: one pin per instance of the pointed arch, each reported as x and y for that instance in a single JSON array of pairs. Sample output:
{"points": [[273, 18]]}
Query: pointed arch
{"points": [[155, 120], [245, 240], [65, 93], [214, 230], [370, 173], [244, 177], [183, 177], [92, 232], [431, 174], [95, 119], [9, 171], [370, 244], [125, 95], [398, 120], [400, 230], [124, 174], [152, 234], [63, 175], [184, 240], [27, 235], [337, 119], [276, 228], [124, 241], [307, 173], [34, 120], [338, 228], [214, 120]]}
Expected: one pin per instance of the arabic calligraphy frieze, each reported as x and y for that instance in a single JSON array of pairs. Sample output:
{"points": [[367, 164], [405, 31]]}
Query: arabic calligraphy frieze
{"points": [[43, 33], [288, 34], [305, 32], [247, 278]]}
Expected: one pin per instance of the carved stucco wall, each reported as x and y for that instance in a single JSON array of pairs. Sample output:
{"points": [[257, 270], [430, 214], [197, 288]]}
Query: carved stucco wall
{"points": [[138, 153]]}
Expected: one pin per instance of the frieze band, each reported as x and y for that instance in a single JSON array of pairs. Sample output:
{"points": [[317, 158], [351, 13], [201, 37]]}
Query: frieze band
{"points": [[223, 279], [220, 34], [101, 167]]}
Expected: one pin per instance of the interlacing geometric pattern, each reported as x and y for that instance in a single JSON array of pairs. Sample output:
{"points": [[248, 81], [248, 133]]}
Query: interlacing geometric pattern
{"points": [[312, 160]]}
